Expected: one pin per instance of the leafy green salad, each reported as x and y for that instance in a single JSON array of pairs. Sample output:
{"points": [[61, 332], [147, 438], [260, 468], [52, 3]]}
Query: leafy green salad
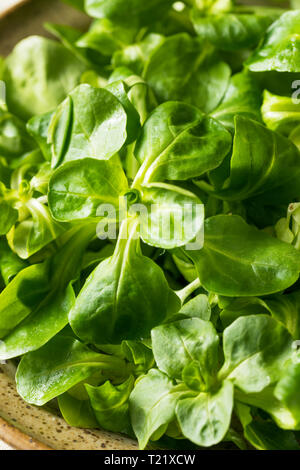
{"points": [[150, 221]]}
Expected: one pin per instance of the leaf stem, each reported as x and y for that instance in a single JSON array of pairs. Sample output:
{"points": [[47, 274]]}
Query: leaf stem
{"points": [[184, 293]]}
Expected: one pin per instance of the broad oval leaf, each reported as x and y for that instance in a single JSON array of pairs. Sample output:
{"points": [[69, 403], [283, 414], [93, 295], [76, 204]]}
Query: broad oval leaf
{"points": [[176, 344], [256, 349], [38, 127], [179, 142], [184, 69], [9, 217], [91, 122], [47, 320], [33, 85], [232, 31], [169, 216], [14, 140], [239, 260], [205, 419], [280, 49], [263, 162], [77, 412], [130, 12], [55, 368], [242, 98], [152, 404], [40, 297], [22, 295], [197, 307], [118, 89], [77, 189], [264, 434], [287, 392]]}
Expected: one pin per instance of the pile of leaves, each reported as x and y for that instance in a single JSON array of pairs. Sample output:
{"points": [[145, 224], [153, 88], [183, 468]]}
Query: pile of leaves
{"points": [[162, 104]]}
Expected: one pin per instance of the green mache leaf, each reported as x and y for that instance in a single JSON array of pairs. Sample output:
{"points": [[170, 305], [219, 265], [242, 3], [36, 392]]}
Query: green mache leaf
{"points": [[77, 412], [139, 92], [131, 12], [176, 344], [36, 303], [185, 266], [232, 31], [8, 217], [192, 377], [22, 294], [5, 176], [242, 98], [256, 349], [262, 162], [239, 260], [280, 49], [135, 56], [111, 405], [10, 263], [213, 7], [32, 85], [53, 369], [152, 405], [35, 232], [264, 434], [59, 131], [118, 89], [103, 313], [36, 329], [287, 392], [38, 127], [197, 307], [141, 95], [14, 140], [233, 308], [173, 216], [105, 38], [280, 113], [91, 123], [183, 69], [138, 354], [295, 137], [69, 37], [78, 188], [94, 79], [267, 401], [179, 142], [205, 419], [286, 309]]}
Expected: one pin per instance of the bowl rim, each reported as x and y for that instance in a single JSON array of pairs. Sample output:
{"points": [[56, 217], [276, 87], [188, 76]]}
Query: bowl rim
{"points": [[12, 7], [17, 439]]}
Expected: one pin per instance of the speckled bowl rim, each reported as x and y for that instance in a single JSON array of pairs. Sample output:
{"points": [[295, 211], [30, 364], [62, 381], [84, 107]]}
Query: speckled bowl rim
{"points": [[17, 439], [29, 427]]}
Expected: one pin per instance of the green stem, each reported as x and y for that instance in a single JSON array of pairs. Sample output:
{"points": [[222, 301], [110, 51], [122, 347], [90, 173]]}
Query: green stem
{"points": [[184, 293], [208, 188]]}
